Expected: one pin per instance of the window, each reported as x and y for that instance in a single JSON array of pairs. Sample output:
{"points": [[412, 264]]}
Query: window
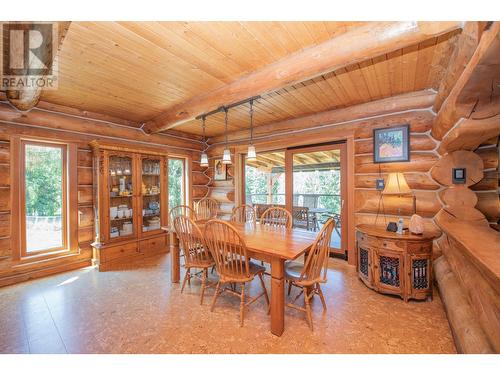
{"points": [[176, 182], [265, 179], [43, 197]]}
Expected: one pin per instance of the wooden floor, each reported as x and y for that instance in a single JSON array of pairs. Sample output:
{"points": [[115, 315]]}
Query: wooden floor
{"points": [[140, 311]]}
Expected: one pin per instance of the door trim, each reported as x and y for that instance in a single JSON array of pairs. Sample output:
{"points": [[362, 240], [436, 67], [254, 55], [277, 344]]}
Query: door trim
{"points": [[342, 146]]}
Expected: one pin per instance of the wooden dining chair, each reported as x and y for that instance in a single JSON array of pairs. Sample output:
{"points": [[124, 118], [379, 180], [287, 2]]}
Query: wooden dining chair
{"points": [[182, 210], [277, 217], [312, 273], [244, 214], [206, 209], [196, 254], [233, 265]]}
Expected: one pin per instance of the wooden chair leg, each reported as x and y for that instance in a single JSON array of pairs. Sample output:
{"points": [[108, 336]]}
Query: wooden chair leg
{"points": [[186, 276], [203, 284], [289, 287], [217, 291], [307, 303], [320, 292], [242, 304], [264, 288]]}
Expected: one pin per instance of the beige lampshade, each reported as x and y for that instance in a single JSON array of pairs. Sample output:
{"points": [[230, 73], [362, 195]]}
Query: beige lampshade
{"points": [[396, 185]]}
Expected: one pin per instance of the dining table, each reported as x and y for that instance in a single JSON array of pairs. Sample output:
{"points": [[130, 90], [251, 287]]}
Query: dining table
{"points": [[268, 244]]}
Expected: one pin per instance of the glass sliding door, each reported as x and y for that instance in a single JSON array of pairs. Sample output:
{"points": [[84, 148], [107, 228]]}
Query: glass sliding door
{"points": [[264, 181], [317, 189]]}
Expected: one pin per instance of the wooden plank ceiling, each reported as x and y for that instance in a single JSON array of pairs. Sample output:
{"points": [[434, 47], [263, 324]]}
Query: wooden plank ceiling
{"points": [[136, 70]]}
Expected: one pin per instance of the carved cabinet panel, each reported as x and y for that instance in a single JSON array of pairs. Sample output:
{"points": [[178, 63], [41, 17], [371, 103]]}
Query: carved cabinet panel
{"points": [[395, 264]]}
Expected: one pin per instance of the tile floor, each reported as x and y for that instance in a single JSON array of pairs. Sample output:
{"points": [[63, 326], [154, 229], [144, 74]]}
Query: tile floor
{"points": [[140, 311]]}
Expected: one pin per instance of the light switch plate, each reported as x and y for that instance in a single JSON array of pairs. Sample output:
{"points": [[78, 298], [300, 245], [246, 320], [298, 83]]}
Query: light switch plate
{"points": [[380, 184], [459, 175]]}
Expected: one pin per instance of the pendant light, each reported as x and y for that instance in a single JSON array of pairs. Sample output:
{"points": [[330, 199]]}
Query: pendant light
{"points": [[251, 154], [226, 157], [204, 156]]}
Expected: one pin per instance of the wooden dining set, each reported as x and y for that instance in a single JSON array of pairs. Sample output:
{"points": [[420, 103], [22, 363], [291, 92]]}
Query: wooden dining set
{"points": [[239, 250]]}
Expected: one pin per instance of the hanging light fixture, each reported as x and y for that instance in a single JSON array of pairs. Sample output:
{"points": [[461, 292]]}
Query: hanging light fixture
{"points": [[251, 154], [204, 156], [226, 157]]}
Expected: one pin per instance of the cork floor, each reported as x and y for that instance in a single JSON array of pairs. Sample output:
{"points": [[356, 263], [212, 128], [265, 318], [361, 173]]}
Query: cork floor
{"points": [[140, 311]]}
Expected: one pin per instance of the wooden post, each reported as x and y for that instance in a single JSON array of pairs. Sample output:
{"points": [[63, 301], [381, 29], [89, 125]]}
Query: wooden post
{"points": [[277, 296], [174, 258]]}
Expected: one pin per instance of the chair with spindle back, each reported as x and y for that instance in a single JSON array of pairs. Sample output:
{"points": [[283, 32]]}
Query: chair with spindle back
{"points": [[206, 209], [277, 217], [233, 265], [244, 214], [196, 254], [182, 210], [309, 276]]}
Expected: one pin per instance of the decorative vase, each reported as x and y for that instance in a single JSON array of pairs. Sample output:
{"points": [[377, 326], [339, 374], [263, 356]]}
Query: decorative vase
{"points": [[416, 224]]}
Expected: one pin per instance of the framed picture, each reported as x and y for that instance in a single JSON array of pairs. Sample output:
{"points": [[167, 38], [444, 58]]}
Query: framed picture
{"points": [[391, 144], [220, 170]]}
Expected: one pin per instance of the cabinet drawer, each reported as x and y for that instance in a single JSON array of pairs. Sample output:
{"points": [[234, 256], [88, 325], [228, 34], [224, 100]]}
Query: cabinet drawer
{"points": [[393, 245], [419, 247], [119, 251], [154, 245], [367, 241]]}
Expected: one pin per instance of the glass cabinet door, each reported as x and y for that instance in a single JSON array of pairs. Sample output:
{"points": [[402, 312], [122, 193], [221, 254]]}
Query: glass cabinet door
{"points": [[151, 194], [121, 192]]}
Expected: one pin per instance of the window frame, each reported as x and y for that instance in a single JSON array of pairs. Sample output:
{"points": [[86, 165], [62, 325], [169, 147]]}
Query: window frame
{"points": [[186, 180], [70, 199], [64, 207]]}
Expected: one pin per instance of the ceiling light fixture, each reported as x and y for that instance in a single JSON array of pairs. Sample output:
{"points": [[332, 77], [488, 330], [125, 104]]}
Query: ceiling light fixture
{"points": [[226, 157], [251, 154], [204, 156]]}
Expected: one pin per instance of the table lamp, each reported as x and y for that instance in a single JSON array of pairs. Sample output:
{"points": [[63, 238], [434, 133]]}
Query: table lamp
{"points": [[396, 185]]}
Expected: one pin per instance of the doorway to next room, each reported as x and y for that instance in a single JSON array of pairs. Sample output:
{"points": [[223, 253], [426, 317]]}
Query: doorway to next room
{"points": [[308, 181]]}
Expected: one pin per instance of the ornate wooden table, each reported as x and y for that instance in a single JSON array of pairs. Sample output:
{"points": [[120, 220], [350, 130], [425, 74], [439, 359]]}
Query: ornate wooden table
{"points": [[395, 263], [274, 246]]}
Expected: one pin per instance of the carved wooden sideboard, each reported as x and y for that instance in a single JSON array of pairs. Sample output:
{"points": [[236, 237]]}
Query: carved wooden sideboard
{"points": [[394, 263]]}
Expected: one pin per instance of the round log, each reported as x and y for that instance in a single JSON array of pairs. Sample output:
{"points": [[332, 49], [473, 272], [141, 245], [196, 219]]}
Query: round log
{"points": [[367, 201], [199, 192], [442, 170], [489, 156], [419, 181], [458, 195], [489, 204], [199, 178], [419, 162], [489, 181], [222, 195]]}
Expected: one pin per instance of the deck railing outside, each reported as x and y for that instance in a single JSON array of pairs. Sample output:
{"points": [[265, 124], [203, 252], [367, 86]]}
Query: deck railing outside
{"points": [[328, 201]]}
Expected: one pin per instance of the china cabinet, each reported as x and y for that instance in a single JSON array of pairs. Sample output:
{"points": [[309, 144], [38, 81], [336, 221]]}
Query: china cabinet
{"points": [[130, 188], [394, 263]]}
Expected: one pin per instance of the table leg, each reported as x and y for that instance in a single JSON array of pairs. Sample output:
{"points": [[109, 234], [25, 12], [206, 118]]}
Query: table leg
{"points": [[277, 296], [175, 272]]}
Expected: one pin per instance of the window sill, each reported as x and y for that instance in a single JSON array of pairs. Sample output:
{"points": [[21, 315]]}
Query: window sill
{"points": [[46, 257]]}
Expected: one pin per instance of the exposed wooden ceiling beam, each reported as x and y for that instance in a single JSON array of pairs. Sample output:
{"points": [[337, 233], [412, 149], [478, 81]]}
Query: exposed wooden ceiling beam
{"points": [[465, 46], [477, 83], [404, 102], [356, 45], [28, 97]]}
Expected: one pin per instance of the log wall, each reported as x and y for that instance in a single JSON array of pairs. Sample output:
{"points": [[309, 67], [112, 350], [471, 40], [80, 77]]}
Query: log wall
{"points": [[70, 127], [368, 201], [487, 190]]}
